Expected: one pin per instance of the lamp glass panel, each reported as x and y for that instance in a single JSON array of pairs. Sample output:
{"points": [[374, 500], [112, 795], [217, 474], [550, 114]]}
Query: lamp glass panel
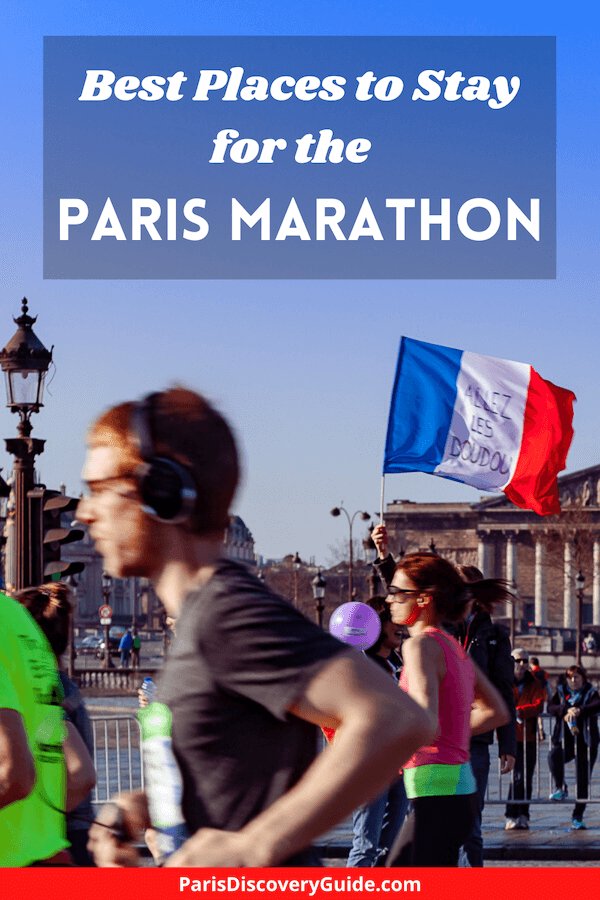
{"points": [[25, 387], [8, 388]]}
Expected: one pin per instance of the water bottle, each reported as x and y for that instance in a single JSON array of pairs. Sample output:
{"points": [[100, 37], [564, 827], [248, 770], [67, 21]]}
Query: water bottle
{"points": [[162, 779], [148, 689]]}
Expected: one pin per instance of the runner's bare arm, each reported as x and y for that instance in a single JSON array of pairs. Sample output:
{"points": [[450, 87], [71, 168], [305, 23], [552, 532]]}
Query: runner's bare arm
{"points": [[489, 710], [378, 729], [17, 769], [81, 776]]}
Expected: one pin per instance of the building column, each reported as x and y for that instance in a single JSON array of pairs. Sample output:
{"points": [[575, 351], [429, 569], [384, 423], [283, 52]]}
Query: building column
{"points": [[541, 603], [569, 611], [511, 560], [483, 556], [512, 572], [596, 584]]}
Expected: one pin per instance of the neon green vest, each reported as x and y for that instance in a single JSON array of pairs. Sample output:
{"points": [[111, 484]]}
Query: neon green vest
{"points": [[30, 829]]}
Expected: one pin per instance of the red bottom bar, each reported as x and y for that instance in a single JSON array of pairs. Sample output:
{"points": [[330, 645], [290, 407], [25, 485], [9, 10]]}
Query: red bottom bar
{"points": [[168, 884]]}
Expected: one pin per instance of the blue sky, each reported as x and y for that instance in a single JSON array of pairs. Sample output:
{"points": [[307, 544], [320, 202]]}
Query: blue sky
{"points": [[303, 369]]}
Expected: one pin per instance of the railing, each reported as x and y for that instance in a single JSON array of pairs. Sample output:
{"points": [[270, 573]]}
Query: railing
{"points": [[118, 763], [117, 756], [111, 681], [542, 783]]}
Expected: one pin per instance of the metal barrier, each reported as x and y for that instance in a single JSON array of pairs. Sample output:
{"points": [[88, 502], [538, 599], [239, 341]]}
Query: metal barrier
{"points": [[117, 756], [542, 782], [118, 764]]}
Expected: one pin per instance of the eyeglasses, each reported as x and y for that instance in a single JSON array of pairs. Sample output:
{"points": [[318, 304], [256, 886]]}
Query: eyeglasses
{"points": [[398, 590], [520, 662], [96, 486]]}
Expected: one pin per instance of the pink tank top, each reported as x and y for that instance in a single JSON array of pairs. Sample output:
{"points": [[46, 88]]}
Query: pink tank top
{"points": [[457, 692]]}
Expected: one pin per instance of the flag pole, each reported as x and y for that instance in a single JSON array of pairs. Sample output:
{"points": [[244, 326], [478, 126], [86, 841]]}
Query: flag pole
{"points": [[381, 499]]}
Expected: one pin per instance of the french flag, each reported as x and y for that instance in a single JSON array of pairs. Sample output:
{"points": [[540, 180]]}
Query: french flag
{"points": [[491, 423]]}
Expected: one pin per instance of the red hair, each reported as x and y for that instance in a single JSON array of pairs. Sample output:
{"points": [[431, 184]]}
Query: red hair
{"points": [[450, 592], [188, 430]]}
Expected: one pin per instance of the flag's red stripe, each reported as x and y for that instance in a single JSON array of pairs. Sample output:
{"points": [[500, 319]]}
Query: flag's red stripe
{"points": [[547, 435]]}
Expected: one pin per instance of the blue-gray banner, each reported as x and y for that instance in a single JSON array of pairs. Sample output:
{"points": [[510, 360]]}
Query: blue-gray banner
{"points": [[328, 157]]}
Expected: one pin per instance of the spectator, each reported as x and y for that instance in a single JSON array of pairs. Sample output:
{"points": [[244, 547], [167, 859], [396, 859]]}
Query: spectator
{"points": [[589, 643], [575, 705], [136, 645], [529, 701], [125, 645], [542, 677], [376, 824], [488, 644]]}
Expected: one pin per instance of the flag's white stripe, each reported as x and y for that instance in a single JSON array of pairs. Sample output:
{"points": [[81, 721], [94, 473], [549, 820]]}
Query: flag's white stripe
{"points": [[485, 433]]}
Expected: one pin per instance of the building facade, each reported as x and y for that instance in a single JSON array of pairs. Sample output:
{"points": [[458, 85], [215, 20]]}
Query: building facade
{"points": [[133, 600], [541, 556]]}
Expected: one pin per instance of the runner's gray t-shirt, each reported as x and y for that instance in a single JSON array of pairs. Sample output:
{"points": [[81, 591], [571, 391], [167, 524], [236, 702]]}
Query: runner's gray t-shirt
{"points": [[241, 657]]}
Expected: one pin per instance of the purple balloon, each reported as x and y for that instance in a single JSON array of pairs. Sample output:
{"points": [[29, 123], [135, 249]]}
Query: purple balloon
{"points": [[356, 624]]}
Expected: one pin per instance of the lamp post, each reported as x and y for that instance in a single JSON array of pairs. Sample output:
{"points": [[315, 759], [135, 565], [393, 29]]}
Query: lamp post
{"points": [[134, 604], [580, 584], [165, 632], [337, 511], [25, 361], [318, 589], [296, 564], [106, 592]]}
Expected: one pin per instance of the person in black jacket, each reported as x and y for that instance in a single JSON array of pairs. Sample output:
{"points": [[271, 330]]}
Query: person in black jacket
{"points": [[575, 705], [375, 825], [489, 646]]}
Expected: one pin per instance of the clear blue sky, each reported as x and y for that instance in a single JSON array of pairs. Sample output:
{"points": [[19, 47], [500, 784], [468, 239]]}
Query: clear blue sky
{"points": [[303, 369]]}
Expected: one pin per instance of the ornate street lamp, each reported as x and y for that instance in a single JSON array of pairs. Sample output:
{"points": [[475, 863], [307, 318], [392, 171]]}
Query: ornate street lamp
{"points": [[318, 589], [337, 511], [580, 585], [296, 565], [25, 361]]}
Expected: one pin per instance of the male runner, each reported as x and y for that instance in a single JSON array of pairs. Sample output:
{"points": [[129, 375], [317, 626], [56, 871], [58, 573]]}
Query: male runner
{"points": [[45, 769], [248, 677]]}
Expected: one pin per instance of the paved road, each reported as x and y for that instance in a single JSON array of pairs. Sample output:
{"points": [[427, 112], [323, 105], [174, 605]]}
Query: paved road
{"points": [[549, 840]]}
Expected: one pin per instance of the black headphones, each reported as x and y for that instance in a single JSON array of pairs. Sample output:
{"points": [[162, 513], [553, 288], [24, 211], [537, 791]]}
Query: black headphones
{"points": [[167, 489]]}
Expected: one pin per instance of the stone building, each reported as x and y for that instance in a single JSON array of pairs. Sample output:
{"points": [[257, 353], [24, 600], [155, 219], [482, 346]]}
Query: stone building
{"points": [[239, 543], [540, 556], [134, 599]]}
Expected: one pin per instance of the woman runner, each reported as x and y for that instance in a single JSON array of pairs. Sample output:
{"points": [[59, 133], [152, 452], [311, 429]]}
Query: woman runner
{"points": [[427, 590]]}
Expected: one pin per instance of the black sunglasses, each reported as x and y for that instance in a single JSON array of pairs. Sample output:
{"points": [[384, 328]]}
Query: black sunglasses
{"points": [[398, 590]]}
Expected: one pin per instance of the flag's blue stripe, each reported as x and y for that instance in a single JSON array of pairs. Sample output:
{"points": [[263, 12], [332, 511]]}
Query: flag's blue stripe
{"points": [[421, 409]]}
